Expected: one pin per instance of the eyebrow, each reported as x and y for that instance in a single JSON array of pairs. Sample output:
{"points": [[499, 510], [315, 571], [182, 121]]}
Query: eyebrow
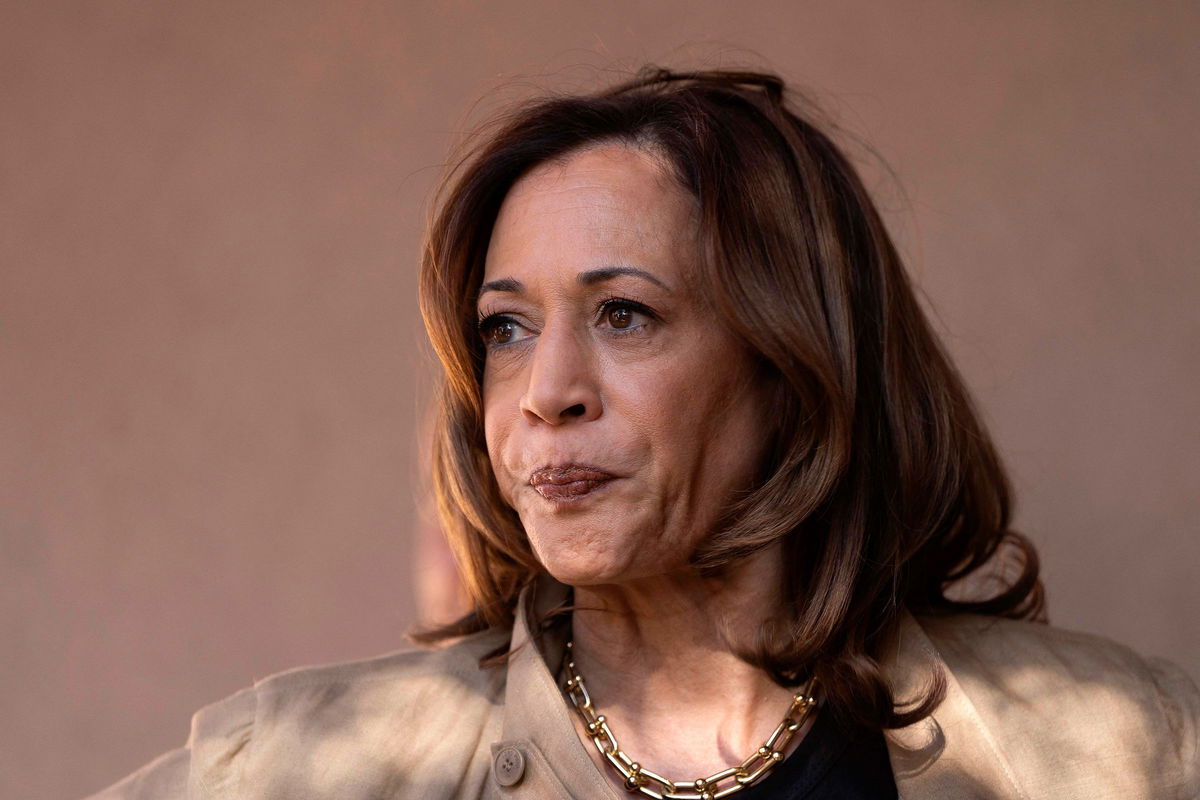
{"points": [[588, 278], [503, 285], [593, 276]]}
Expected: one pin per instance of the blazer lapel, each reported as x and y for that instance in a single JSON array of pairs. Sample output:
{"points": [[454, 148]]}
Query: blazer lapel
{"points": [[537, 720], [950, 754]]}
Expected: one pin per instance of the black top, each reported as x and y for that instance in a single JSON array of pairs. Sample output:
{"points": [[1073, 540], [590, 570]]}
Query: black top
{"points": [[830, 762]]}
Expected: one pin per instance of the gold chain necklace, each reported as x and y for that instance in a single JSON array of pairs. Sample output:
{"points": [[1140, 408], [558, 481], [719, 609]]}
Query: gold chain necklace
{"points": [[637, 778]]}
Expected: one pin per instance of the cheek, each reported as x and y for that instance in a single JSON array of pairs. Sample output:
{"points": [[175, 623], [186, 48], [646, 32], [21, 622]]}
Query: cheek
{"points": [[498, 424], [697, 384], [707, 414]]}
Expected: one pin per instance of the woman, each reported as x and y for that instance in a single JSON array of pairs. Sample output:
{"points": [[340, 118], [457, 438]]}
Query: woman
{"points": [[709, 476]]}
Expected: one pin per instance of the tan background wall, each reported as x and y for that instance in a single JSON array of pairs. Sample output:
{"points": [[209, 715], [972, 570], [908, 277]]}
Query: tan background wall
{"points": [[210, 355]]}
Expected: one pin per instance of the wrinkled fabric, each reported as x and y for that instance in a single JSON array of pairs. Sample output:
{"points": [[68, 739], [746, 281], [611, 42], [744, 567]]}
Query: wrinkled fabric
{"points": [[1030, 712]]}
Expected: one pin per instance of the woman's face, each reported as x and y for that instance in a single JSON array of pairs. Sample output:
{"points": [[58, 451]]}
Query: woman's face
{"points": [[620, 414]]}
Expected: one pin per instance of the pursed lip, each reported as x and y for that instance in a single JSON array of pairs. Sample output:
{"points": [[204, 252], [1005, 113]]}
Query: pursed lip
{"points": [[568, 481]]}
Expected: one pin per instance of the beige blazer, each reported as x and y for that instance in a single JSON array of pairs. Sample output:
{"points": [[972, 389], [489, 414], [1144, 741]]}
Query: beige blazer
{"points": [[1031, 712]]}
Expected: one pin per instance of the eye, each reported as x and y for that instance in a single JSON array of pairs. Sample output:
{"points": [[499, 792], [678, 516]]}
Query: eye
{"points": [[500, 329], [625, 315]]}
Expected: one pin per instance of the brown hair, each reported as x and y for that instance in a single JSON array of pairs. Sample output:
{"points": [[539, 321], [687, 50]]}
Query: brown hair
{"points": [[883, 485]]}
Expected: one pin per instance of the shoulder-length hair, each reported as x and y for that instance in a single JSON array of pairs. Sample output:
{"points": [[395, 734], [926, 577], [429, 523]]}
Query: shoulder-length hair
{"points": [[882, 486]]}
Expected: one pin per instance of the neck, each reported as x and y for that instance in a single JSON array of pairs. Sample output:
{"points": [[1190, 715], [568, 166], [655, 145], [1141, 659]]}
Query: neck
{"points": [[659, 659]]}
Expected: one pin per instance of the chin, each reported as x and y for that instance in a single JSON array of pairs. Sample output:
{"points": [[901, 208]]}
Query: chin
{"points": [[589, 544], [581, 562], [602, 566], [583, 571]]}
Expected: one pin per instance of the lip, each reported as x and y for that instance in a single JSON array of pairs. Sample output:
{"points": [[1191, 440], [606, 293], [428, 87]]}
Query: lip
{"points": [[564, 482]]}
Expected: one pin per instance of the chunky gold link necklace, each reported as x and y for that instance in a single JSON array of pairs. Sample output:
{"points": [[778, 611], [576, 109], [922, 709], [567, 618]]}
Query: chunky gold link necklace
{"points": [[637, 778]]}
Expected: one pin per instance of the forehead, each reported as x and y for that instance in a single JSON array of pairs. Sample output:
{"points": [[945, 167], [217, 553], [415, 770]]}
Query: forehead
{"points": [[607, 202]]}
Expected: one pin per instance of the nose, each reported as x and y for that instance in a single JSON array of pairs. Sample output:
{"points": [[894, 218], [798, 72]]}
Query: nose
{"points": [[562, 379]]}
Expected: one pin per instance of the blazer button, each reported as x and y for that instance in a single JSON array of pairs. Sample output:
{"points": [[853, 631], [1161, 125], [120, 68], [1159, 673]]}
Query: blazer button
{"points": [[509, 766]]}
